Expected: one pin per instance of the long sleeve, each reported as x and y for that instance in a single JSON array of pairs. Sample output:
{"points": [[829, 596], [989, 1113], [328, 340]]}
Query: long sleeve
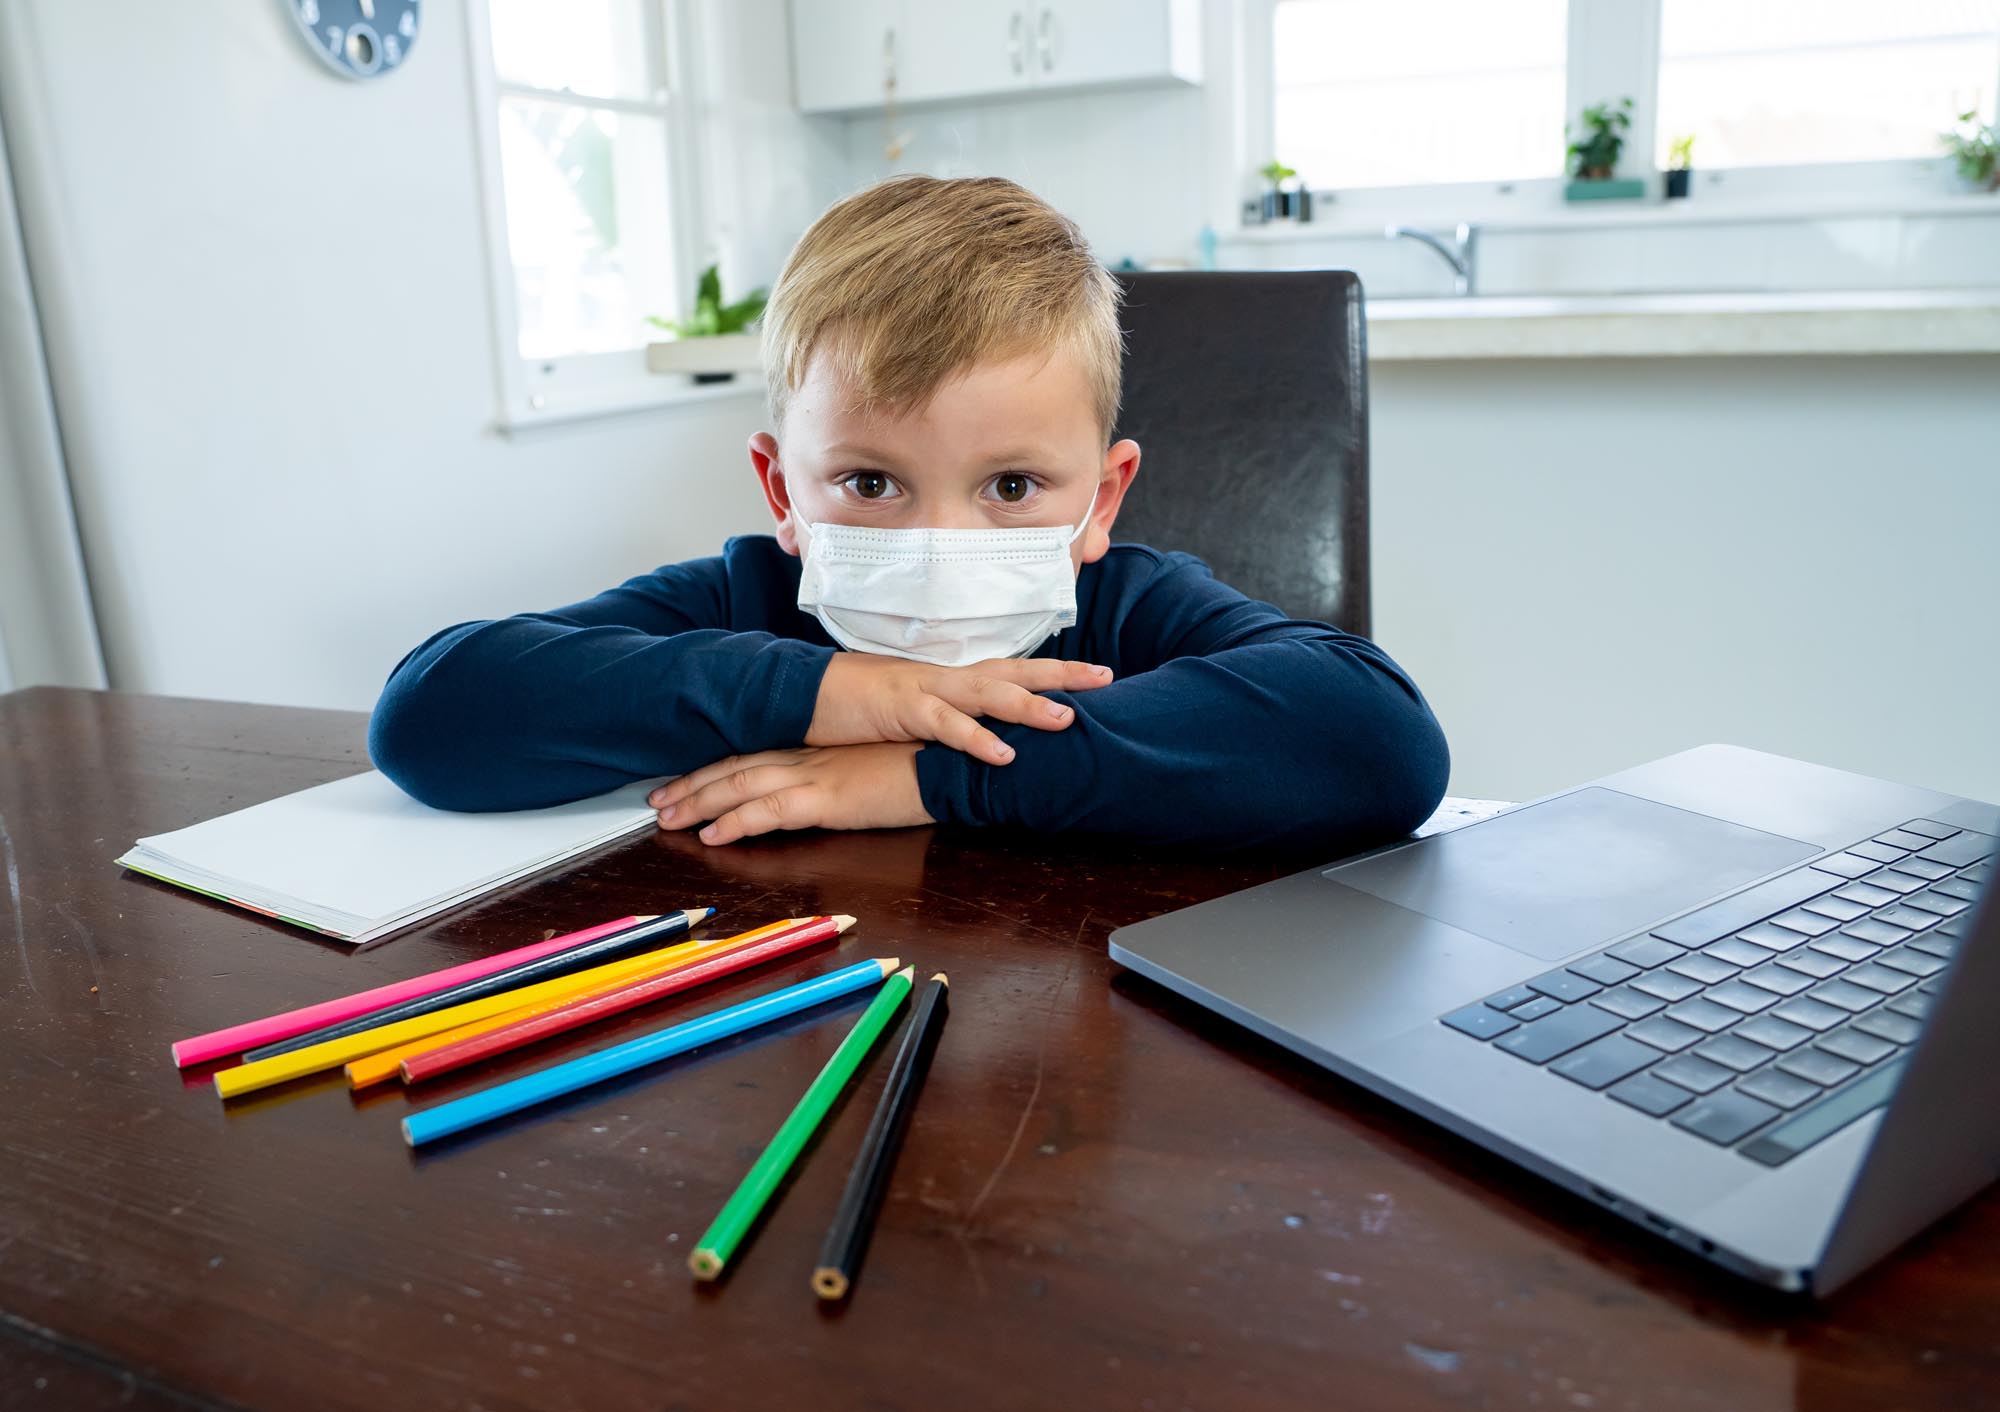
{"points": [[1230, 726], [655, 677]]}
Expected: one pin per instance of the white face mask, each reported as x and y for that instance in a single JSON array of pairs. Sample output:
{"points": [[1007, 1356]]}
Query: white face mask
{"points": [[944, 596]]}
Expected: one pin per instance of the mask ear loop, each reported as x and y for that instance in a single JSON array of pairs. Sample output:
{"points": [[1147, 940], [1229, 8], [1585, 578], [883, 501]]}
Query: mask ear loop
{"points": [[1084, 523]]}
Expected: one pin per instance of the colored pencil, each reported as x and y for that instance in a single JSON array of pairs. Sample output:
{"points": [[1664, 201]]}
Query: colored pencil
{"points": [[387, 1063], [543, 968], [333, 1053], [219, 1044], [854, 1219], [740, 1212], [509, 1033], [559, 1079]]}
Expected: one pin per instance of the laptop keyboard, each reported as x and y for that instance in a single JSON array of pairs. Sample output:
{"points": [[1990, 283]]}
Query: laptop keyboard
{"points": [[1770, 1019]]}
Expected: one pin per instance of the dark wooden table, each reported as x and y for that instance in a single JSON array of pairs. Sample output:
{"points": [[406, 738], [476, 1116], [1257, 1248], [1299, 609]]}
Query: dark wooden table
{"points": [[1109, 1199]]}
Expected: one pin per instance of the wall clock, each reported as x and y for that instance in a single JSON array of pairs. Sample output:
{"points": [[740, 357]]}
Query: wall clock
{"points": [[358, 38]]}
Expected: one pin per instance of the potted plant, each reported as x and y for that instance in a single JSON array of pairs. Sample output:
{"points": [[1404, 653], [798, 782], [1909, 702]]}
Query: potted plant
{"points": [[1975, 151], [1593, 162], [711, 343], [1680, 166], [1288, 199]]}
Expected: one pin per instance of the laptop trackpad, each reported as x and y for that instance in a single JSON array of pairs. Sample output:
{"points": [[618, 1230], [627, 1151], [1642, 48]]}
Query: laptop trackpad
{"points": [[1571, 872]]}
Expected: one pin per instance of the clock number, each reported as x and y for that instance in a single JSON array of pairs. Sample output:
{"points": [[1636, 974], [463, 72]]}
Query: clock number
{"points": [[309, 11], [392, 52], [407, 24]]}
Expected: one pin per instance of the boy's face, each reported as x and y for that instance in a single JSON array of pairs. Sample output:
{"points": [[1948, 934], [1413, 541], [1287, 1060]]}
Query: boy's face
{"points": [[1008, 443]]}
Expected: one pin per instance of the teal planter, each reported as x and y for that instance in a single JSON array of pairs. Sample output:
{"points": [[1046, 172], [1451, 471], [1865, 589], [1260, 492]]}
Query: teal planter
{"points": [[1614, 190]]}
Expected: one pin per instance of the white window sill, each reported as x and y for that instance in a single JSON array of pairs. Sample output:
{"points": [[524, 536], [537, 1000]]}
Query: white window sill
{"points": [[1686, 325], [656, 395]]}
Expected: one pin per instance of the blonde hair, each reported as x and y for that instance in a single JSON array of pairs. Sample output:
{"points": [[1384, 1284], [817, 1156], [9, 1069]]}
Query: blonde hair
{"points": [[915, 279]]}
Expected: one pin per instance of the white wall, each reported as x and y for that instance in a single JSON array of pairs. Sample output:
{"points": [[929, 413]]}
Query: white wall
{"points": [[268, 322]]}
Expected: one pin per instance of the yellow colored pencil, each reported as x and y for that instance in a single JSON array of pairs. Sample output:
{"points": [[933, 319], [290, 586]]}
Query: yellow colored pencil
{"points": [[388, 1063], [332, 1053]]}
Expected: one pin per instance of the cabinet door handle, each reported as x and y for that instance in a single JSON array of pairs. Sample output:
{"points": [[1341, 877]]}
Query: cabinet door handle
{"points": [[1045, 39], [1016, 53]]}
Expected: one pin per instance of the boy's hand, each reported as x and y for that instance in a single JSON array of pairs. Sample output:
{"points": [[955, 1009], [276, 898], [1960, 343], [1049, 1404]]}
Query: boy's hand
{"points": [[864, 697], [871, 786]]}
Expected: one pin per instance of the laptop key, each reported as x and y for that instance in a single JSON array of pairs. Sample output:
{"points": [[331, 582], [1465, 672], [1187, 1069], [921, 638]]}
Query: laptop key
{"points": [[1909, 918], [1910, 961], [1723, 1118], [1851, 948], [1877, 978], [1978, 872], [1693, 1074], [1534, 1010], [1702, 967], [1824, 1117], [1510, 997], [1933, 899], [1816, 964], [1733, 1053], [1780, 1090], [1852, 1044], [1904, 839], [1481, 1021], [1914, 1005], [1704, 1014], [1800, 920], [1839, 993], [1804, 1010], [1628, 1003], [1846, 865], [1818, 1066], [1874, 932], [1646, 952], [1779, 980], [1892, 881], [1964, 889], [1650, 1096], [1738, 996], [1960, 849], [1934, 944], [1880, 852], [1667, 1035], [1667, 985], [1753, 904], [1603, 1062], [1605, 970], [1772, 937], [1836, 907], [1929, 828], [1772, 1032], [1897, 1029], [1922, 868], [1867, 894], [1543, 1040], [1737, 952], [1564, 986]]}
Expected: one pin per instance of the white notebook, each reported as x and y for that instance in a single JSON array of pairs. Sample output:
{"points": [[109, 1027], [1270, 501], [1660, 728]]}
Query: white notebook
{"points": [[359, 859]]}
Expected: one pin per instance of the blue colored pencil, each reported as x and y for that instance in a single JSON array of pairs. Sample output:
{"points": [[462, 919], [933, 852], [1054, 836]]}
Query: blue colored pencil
{"points": [[559, 1079]]}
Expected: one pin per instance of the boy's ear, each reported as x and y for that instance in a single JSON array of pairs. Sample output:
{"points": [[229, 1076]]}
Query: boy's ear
{"points": [[1121, 463], [777, 494]]}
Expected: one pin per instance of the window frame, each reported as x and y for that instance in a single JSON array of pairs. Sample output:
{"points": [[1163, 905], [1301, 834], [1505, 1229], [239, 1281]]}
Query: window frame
{"points": [[537, 392], [1613, 50]]}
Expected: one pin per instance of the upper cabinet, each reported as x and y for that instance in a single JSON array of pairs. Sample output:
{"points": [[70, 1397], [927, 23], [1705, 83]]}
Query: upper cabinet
{"points": [[845, 51]]}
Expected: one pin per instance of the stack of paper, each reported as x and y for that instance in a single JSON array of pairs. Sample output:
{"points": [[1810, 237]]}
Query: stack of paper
{"points": [[358, 859]]}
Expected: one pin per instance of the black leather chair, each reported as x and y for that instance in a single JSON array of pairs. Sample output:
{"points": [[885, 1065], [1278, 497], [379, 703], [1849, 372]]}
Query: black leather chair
{"points": [[1247, 392]]}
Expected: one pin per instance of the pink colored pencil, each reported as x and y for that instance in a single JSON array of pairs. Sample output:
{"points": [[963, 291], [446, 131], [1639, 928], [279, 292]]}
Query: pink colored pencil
{"points": [[586, 1008], [218, 1044]]}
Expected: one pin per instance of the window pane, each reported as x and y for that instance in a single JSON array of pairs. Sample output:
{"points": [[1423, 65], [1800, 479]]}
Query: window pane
{"points": [[1786, 81], [587, 225], [597, 47], [1380, 93]]}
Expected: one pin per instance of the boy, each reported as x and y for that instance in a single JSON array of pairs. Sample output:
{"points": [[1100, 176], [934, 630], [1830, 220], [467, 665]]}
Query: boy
{"points": [[939, 630]]}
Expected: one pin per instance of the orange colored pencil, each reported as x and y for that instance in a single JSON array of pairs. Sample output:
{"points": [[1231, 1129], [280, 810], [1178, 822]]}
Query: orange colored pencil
{"points": [[583, 1009], [382, 1065]]}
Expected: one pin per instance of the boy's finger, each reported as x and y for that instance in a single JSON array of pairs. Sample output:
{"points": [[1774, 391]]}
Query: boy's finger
{"points": [[949, 726], [978, 695], [796, 807], [676, 790], [1046, 673], [719, 796]]}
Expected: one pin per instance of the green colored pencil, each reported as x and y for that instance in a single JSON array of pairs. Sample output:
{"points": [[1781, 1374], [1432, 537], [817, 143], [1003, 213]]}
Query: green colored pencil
{"points": [[740, 1212]]}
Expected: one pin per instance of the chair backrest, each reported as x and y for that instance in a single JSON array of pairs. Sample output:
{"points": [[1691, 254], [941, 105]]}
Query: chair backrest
{"points": [[1247, 392]]}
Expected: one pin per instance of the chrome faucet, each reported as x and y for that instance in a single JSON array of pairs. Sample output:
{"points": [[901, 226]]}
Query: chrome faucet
{"points": [[1462, 254]]}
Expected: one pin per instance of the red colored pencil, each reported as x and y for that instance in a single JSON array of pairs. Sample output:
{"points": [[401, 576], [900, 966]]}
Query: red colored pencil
{"points": [[586, 1008]]}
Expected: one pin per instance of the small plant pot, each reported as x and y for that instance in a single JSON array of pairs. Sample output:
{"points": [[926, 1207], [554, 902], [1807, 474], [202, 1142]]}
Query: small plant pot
{"points": [[715, 377], [1677, 183], [1605, 190]]}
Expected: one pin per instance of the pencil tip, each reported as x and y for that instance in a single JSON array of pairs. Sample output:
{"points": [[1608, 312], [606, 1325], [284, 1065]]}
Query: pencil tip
{"points": [[842, 921], [829, 1283], [409, 1138], [942, 979], [888, 963], [704, 1264], [909, 972]]}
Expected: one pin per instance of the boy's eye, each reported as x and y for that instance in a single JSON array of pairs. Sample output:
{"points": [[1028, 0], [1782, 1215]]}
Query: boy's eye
{"points": [[1013, 487], [870, 485]]}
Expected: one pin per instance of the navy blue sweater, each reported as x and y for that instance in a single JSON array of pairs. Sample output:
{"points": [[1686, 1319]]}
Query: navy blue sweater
{"points": [[1228, 724]]}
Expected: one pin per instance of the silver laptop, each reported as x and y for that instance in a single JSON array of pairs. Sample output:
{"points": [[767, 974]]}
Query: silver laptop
{"points": [[1746, 1002]]}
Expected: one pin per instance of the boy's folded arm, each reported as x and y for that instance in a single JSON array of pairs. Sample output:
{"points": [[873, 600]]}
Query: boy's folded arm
{"points": [[1249, 729], [546, 707]]}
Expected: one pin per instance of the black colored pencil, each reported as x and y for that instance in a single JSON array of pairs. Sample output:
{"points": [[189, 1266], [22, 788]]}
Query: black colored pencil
{"points": [[632, 940], [868, 1183]]}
